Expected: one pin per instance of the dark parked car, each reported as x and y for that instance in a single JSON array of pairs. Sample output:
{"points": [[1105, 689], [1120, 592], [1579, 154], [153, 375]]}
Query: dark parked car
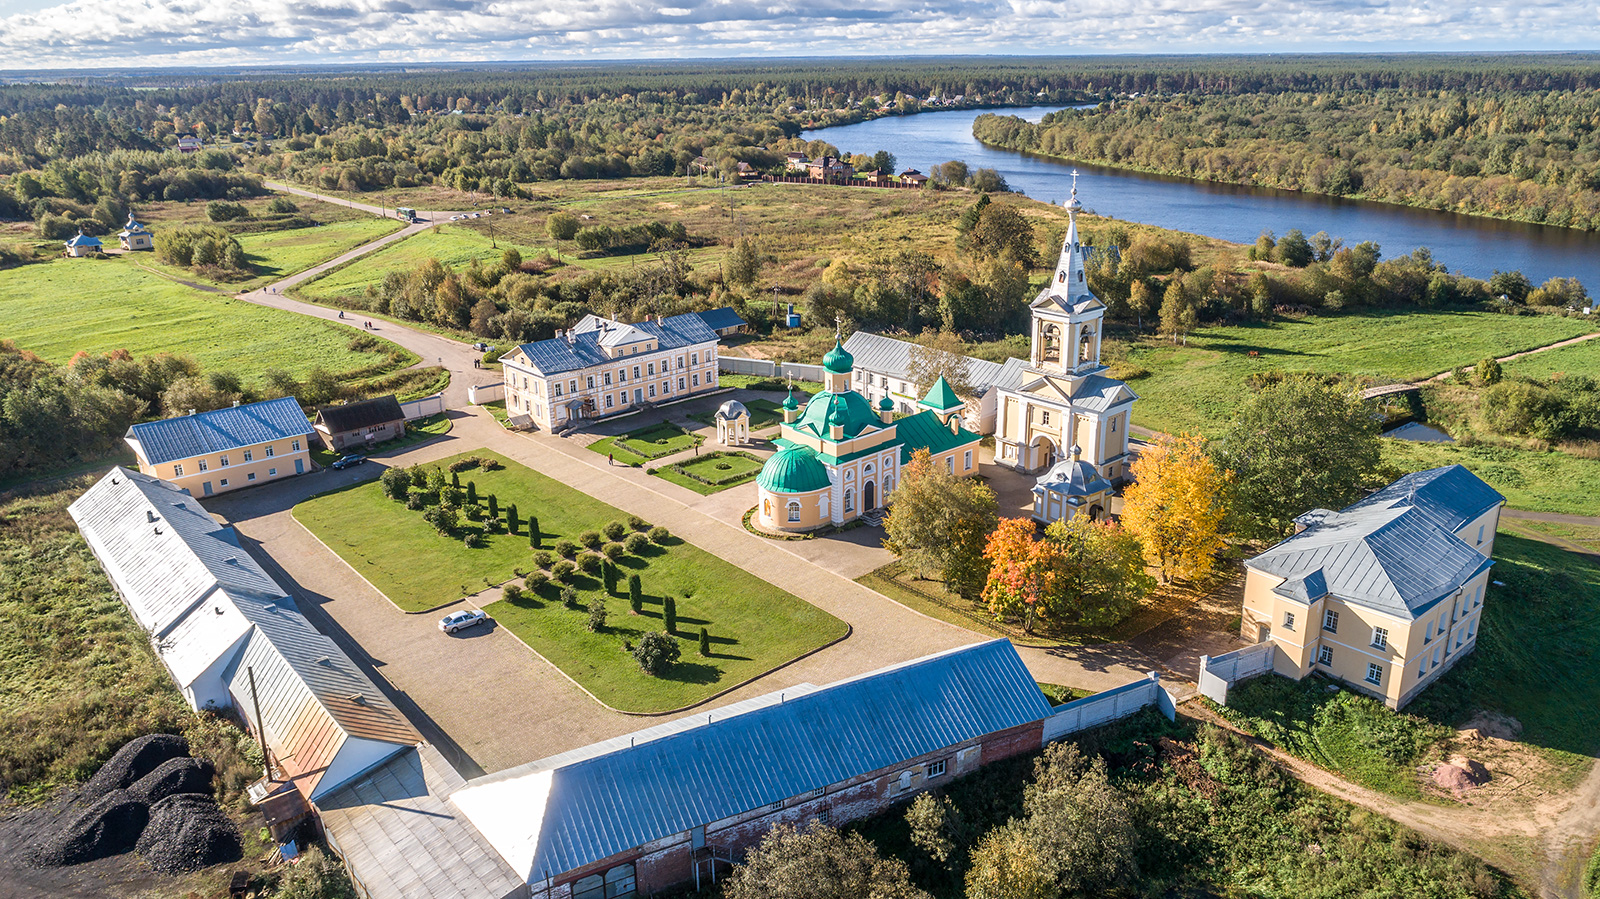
{"points": [[344, 462]]}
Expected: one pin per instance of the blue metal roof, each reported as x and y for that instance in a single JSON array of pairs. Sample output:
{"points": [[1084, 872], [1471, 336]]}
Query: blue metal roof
{"points": [[220, 430], [562, 813], [1450, 496], [717, 319], [558, 355]]}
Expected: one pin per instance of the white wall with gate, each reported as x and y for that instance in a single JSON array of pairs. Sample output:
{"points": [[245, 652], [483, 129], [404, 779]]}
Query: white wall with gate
{"points": [[423, 407], [1107, 706]]}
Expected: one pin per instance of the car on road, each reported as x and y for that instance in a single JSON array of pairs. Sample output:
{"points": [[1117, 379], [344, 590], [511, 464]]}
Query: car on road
{"points": [[344, 462], [455, 621], [482, 347]]}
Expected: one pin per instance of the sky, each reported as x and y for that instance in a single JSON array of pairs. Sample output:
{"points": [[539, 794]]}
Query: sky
{"points": [[100, 34]]}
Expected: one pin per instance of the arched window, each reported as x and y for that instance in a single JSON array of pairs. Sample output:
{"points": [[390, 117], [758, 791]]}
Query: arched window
{"points": [[766, 509], [850, 475], [866, 469], [794, 511], [849, 499]]}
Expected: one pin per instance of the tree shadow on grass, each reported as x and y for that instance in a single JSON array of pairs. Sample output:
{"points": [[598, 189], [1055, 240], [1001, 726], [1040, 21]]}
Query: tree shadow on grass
{"points": [[1258, 350], [632, 563], [692, 673]]}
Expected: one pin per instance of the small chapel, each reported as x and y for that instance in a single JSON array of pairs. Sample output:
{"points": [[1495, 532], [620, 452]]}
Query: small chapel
{"points": [[1060, 417], [839, 458]]}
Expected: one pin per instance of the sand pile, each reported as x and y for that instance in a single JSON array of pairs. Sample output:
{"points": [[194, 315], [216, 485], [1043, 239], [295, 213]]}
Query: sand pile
{"points": [[1460, 775]]}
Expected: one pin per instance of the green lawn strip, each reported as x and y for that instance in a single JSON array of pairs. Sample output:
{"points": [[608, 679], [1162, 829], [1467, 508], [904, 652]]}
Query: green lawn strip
{"points": [[645, 443], [1198, 386], [742, 469], [452, 245], [754, 626], [419, 431], [1578, 359], [1061, 695], [1536, 480], [802, 389], [58, 308], [497, 408]]}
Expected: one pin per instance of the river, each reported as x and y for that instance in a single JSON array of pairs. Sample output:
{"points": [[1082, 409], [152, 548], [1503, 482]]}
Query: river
{"points": [[1468, 244]]}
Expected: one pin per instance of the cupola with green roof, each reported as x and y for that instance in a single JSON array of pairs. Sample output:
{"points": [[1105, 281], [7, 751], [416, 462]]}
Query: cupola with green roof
{"points": [[794, 469], [838, 360]]}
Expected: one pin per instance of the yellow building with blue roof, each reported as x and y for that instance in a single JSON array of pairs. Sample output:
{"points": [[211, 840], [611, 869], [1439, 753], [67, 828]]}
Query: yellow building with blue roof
{"points": [[839, 458]]}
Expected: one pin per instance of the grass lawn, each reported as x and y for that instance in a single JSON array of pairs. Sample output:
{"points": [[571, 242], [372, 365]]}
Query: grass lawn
{"points": [[763, 413], [274, 255], [1537, 480], [1581, 534], [1198, 387], [645, 443], [59, 308], [802, 389], [451, 244], [754, 626], [498, 410], [1578, 359], [730, 469], [419, 431]]}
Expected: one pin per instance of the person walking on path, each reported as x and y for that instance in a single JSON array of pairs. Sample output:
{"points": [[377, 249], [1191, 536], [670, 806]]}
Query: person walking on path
{"points": [[611, 458]]}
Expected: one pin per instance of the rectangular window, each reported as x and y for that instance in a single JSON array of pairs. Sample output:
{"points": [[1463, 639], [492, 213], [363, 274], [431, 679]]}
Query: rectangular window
{"points": [[248, 456], [177, 471], [680, 362], [824, 816], [694, 358], [558, 388], [572, 386], [270, 451], [203, 466], [1114, 424], [697, 380], [590, 379], [1330, 621], [1044, 418], [224, 482], [1288, 621], [1374, 673], [680, 383], [224, 461], [608, 379], [636, 372], [967, 461], [1380, 637], [1422, 669], [250, 477], [1480, 535], [1472, 628], [950, 464], [272, 472], [1324, 655], [294, 446], [650, 369], [776, 805], [936, 769], [652, 391], [609, 402]]}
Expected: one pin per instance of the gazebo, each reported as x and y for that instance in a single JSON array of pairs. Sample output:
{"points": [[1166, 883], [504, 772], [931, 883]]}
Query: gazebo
{"points": [[733, 424]]}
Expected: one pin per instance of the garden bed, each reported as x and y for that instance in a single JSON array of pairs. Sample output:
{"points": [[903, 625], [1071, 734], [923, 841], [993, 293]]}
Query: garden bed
{"points": [[650, 442], [712, 472]]}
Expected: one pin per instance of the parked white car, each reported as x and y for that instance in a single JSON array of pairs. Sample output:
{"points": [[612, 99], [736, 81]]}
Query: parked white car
{"points": [[455, 621]]}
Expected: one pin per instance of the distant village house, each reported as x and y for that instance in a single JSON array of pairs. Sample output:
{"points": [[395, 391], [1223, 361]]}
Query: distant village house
{"points": [[83, 245]]}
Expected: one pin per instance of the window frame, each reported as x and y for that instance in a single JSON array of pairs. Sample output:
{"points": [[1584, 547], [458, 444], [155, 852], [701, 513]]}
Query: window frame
{"points": [[1374, 674], [1325, 656], [1288, 620], [1330, 620], [1380, 637], [936, 769]]}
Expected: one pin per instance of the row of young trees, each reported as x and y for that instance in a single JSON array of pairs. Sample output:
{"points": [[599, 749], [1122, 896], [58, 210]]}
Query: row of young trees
{"points": [[1295, 445]]}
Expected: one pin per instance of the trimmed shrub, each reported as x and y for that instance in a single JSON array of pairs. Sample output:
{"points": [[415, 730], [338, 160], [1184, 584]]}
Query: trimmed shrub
{"points": [[608, 574], [455, 477], [569, 597], [511, 518], [656, 653], [635, 542], [543, 558], [472, 491], [537, 581], [535, 538], [590, 562], [635, 594], [669, 614], [613, 551], [566, 548], [474, 513], [659, 534], [597, 615], [637, 523], [705, 642], [414, 502], [451, 496], [590, 539], [396, 484], [494, 506], [563, 570], [472, 540], [614, 530], [513, 592]]}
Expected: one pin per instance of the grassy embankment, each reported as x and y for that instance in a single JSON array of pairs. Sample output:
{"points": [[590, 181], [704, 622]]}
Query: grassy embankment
{"points": [[754, 626]]}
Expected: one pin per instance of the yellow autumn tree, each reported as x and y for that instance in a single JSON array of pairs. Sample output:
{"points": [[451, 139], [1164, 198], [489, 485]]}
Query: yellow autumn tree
{"points": [[1175, 506]]}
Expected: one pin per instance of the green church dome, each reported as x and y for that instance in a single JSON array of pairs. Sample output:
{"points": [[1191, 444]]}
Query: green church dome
{"points": [[789, 401], [838, 360], [886, 404], [794, 469]]}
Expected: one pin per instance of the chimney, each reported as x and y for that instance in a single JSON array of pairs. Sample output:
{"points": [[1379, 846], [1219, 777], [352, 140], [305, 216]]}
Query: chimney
{"points": [[191, 411], [150, 516], [235, 404]]}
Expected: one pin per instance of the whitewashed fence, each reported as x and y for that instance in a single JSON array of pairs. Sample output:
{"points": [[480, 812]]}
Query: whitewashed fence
{"points": [[1222, 672], [478, 394], [765, 368], [423, 407], [1118, 702]]}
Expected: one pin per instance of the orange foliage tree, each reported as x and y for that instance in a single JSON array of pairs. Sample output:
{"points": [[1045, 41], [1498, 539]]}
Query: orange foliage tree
{"points": [[1175, 506], [1023, 570]]}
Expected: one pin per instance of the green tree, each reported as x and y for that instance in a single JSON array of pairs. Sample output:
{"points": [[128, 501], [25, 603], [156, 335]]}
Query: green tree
{"points": [[513, 520], [597, 615], [1487, 371], [396, 483], [1002, 232], [1176, 507], [608, 574], [883, 161], [1296, 446], [1080, 822], [472, 492], [940, 523], [1008, 864], [1512, 285], [705, 642], [743, 264], [939, 354], [819, 863], [656, 653], [535, 538], [561, 226], [494, 506], [1294, 250], [635, 594], [1174, 307], [669, 613], [1103, 574], [1141, 301]]}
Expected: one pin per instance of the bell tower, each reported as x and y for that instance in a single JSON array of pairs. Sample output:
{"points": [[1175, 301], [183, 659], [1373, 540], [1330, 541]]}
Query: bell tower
{"points": [[1067, 318]]}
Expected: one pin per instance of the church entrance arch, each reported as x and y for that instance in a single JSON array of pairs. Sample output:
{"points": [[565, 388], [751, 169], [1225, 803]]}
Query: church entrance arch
{"points": [[869, 497], [1042, 453]]}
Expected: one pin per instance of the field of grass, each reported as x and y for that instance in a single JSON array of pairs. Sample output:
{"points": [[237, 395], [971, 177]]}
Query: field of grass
{"points": [[740, 469], [1578, 359], [1587, 536], [451, 244], [59, 308], [1196, 388], [754, 626], [646, 442], [1536, 480]]}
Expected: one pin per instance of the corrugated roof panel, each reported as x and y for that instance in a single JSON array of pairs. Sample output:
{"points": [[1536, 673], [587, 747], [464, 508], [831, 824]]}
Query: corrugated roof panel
{"points": [[892, 356], [220, 430], [558, 355], [692, 772]]}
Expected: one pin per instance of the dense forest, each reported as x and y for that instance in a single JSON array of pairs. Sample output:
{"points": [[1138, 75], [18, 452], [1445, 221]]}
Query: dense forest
{"points": [[1481, 150]]}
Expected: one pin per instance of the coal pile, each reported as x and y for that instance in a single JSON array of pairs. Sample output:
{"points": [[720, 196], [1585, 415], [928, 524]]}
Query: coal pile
{"points": [[187, 832], [109, 827], [134, 760], [174, 776]]}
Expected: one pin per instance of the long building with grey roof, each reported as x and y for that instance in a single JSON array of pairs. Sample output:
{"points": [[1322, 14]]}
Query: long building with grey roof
{"points": [[1385, 594]]}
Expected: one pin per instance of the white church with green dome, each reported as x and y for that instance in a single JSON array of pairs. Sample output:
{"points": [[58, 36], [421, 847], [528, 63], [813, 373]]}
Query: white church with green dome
{"points": [[839, 458]]}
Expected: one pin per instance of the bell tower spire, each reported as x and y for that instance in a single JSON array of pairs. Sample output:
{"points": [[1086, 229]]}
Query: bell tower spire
{"points": [[1069, 278]]}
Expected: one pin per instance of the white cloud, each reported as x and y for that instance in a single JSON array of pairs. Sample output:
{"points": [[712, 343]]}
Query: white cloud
{"points": [[91, 33]]}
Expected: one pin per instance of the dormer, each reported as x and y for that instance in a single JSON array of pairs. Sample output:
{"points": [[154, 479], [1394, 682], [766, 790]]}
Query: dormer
{"points": [[618, 340]]}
